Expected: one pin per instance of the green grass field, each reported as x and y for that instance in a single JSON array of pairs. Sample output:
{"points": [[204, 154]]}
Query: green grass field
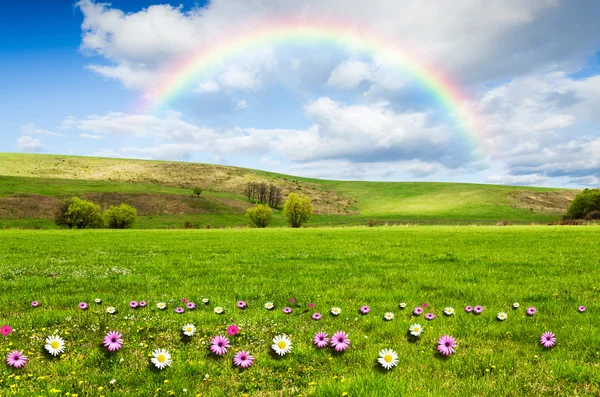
{"points": [[555, 269]]}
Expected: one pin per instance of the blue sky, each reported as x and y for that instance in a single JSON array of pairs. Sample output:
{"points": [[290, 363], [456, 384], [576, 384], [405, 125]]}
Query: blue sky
{"points": [[71, 75]]}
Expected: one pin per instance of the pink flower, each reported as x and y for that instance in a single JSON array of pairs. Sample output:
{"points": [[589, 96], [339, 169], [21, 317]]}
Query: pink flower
{"points": [[287, 310], [548, 339], [531, 311], [429, 316], [184, 300], [35, 303], [321, 340], [143, 304], [317, 316], [179, 310], [16, 359], [340, 341], [425, 304], [417, 311], [6, 330], [133, 304], [311, 305], [365, 309], [243, 359], [219, 345], [581, 309], [292, 300], [233, 330], [478, 309], [469, 309], [446, 345], [241, 304], [83, 306], [113, 341], [190, 305]]}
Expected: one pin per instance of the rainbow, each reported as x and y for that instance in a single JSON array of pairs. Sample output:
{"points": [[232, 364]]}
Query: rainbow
{"points": [[446, 91]]}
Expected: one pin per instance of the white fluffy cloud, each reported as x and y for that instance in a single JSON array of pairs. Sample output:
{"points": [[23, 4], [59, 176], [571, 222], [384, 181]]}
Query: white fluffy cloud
{"points": [[31, 129], [29, 144]]}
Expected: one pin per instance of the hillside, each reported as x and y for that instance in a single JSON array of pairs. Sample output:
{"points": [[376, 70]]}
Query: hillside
{"points": [[31, 186]]}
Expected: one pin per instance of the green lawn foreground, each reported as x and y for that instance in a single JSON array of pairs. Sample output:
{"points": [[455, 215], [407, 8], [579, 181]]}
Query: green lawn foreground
{"points": [[555, 269]]}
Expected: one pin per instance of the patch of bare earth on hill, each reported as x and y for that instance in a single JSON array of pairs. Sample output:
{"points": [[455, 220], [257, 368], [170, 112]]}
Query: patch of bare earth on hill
{"points": [[552, 202], [27, 206]]}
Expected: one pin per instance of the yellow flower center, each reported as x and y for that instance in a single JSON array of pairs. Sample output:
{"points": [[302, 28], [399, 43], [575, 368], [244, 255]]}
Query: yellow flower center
{"points": [[189, 329], [161, 358], [388, 358], [282, 345], [417, 329], [55, 345]]}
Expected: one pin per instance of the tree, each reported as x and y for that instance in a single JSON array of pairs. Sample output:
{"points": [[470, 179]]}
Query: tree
{"points": [[297, 210], [584, 203], [79, 214], [197, 191], [263, 193], [260, 216], [121, 217]]}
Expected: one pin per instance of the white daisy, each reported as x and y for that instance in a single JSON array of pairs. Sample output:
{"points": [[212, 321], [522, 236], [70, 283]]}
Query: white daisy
{"points": [[161, 358], [502, 316], [111, 310], [219, 310], [388, 316], [269, 305], [416, 329], [402, 305], [189, 330], [388, 358], [282, 345], [161, 305], [449, 311], [98, 301], [205, 301], [336, 311], [516, 305], [55, 345]]}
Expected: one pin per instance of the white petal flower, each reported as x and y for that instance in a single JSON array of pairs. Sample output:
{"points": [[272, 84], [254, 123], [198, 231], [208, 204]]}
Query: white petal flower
{"points": [[161, 305], [205, 301], [416, 329], [502, 316], [189, 330], [402, 305], [269, 305], [55, 345], [388, 358], [516, 305], [336, 311], [388, 316], [161, 358], [449, 311], [219, 310], [282, 344], [111, 310]]}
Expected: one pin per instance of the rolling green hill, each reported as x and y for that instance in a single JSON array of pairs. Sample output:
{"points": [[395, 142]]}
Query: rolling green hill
{"points": [[31, 186]]}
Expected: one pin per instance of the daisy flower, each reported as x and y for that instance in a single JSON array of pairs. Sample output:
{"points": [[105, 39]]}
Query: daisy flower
{"points": [[98, 301], [205, 301], [321, 339], [16, 359], [161, 305], [418, 311], [282, 345], [446, 345], [111, 310], [548, 339], [516, 305], [83, 306], [133, 304], [317, 316], [468, 309], [429, 316], [179, 310], [243, 359], [292, 300], [425, 304], [113, 341], [311, 305], [365, 309], [415, 330], [190, 305], [389, 316], [161, 358], [241, 304], [449, 311], [219, 345], [6, 330], [340, 341], [287, 310], [401, 306], [269, 305], [55, 345], [35, 303], [218, 310], [531, 311], [336, 311], [233, 330], [478, 309], [581, 309], [184, 300], [143, 304], [502, 316], [388, 358], [189, 330]]}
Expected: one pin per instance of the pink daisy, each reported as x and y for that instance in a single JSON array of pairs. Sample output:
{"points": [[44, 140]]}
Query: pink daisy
{"points": [[548, 339], [243, 359], [241, 304], [35, 303], [190, 305], [478, 309], [317, 316], [287, 310], [179, 310], [133, 304], [531, 311], [425, 304], [5, 330], [429, 316], [417, 311], [233, 330], [581, 309], [469, 309], [365, 309], [113, 341], [446, 345], [184, 300], [219, 345], [83, 306], [292, 300], [340, 341], [143, 304], [321, 340], [311, 305], [16, 359]]}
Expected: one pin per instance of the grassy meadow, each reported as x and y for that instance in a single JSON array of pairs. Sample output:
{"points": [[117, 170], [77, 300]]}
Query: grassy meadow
{"points": [[554, 269]]}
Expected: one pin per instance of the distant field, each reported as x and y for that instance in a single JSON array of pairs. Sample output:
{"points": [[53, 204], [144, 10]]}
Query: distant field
{"points": [[554, 269]]}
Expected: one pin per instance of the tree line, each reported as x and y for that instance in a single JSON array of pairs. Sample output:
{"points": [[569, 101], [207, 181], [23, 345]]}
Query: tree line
{"points": [[263, 193]]}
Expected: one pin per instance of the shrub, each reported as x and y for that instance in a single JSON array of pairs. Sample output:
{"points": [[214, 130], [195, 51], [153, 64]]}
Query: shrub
{"points": [[121, 217], [260, 216], [593, 215], [584, 203], [373, 222], [297, 210], [79, 214], [191, 225], [197, 191]]}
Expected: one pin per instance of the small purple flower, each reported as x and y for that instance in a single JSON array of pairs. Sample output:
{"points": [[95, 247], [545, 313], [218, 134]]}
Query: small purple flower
{"points": [[179, 310], [241, 304], [317, 316], [469, 309], [287, 310], [243, 359], [16, 359], [311, 305], [425, 304], [190, 305], [478, 309], [417, 311], [429, 316], [340, 341], [531, 311], [133, 304], [548, 339], [365, 309], [143, 304], [83, 306], [581, 309], [321, 340], [292, 300], [446, 345], [35, 303]]}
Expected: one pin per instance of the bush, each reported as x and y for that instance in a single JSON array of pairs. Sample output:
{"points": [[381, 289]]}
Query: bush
{"points": [[593, 215], [121, 217], [79, 214], [373, 222], [584, 203], [297, 210], [197, 191], [191, 225], [260, 216]]}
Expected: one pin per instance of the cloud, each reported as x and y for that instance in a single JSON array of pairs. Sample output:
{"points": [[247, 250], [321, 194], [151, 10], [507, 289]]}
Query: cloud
{"points": [[29, 144], [208, 86], [241, 105], [31, 129], [349, 74], [519, 180], [91, 136]]}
